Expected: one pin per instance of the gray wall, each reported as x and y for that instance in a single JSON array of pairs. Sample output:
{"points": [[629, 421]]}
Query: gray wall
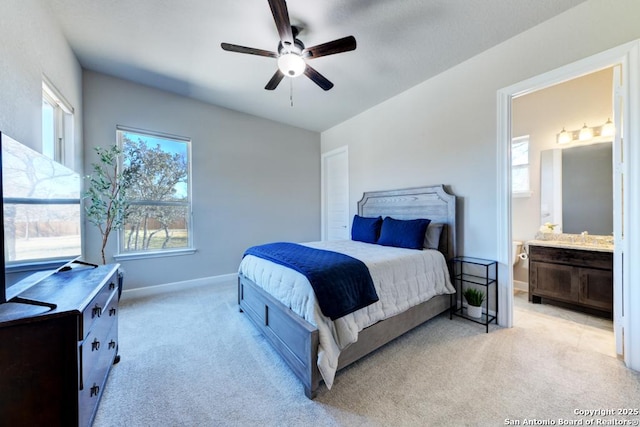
{"points": [[444, 129], [253, 180], [32, 45]]}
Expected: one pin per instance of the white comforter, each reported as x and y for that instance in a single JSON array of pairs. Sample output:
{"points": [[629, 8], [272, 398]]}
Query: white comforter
{"points": [[402, 278]]}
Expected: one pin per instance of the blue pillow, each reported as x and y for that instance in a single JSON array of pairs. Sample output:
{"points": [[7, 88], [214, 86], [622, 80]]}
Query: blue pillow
{"points": [[366, 229], [400, 233]]}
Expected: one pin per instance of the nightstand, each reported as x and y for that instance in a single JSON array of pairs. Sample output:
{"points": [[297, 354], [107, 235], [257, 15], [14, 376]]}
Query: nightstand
{"points": [[478, 273]]}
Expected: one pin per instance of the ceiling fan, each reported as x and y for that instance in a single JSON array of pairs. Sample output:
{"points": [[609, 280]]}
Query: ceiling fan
{"points": [[291, 54]]}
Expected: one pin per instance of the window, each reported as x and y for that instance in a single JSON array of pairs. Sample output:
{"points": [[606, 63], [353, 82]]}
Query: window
{"points": [[41, 191], [41, 207], [159, 216], [520, 167], [49, 122], [57, 125]]}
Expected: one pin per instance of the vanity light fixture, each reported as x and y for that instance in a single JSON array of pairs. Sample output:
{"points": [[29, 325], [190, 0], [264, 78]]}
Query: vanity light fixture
{"points": [[608, 129], [597, 134], [585, 133], [564, 137]]}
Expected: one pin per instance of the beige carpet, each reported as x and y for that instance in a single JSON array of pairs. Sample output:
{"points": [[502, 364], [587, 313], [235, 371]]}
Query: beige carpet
{"points": [[190, 358]]}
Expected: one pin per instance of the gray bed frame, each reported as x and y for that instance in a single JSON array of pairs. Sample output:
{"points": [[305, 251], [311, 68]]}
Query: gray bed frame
{"points": [[296, 340]]}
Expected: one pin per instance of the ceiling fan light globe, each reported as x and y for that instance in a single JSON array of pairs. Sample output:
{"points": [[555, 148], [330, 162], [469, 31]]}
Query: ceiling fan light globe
{"points": [[291, 64]]}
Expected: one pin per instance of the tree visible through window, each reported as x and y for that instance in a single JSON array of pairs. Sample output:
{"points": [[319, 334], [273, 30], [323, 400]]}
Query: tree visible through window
{"points": [[160, 207], [41, 206]]}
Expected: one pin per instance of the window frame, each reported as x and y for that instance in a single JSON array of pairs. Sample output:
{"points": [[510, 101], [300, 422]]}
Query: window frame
{"points": [[525, 166], [156, 253], [63, 123]]}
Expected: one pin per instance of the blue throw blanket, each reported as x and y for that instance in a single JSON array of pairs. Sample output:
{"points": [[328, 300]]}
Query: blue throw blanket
{"points": [[342, 284]]}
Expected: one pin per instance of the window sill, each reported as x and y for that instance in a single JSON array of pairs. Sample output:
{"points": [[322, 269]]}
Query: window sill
{"points": [[34, 266], [521, 194], [162, 254]]}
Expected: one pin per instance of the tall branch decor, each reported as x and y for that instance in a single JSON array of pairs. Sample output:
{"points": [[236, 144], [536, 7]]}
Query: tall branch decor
{"points": [[106, 202]]}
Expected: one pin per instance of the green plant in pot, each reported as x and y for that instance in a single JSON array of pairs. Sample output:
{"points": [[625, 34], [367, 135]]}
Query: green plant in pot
{"points": [[475, 298]]}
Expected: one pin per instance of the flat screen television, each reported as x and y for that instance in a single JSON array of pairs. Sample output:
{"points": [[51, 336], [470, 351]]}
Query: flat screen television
{"points": [[41, 218], [3, 288]]}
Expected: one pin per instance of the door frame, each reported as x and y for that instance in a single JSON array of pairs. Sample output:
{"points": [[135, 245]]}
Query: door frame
{"points": [[628, 56], [323, 187]]}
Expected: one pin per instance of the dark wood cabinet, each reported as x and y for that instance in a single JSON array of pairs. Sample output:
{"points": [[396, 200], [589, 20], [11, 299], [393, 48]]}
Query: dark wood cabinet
{"points": [[581, 278], [54, 362], [596, 288]]}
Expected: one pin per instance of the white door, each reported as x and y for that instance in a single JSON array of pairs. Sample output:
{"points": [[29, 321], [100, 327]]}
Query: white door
{"points": [[618, 217], [335, 194]]}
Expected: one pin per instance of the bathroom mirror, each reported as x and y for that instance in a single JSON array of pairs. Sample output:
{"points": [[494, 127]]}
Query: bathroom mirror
{"points": [[576, 188]]}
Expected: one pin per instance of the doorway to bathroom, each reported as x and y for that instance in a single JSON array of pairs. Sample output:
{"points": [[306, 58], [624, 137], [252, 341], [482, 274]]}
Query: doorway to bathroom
{"points": [[626, 179], [566, 182]]}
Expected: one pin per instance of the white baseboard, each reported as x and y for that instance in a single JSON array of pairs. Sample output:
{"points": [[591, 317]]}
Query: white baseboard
{"points": [[175, 286], [521, 286]]}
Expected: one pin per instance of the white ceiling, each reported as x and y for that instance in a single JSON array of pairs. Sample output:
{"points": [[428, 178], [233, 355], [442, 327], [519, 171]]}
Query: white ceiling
{"points": [[174, 45]]}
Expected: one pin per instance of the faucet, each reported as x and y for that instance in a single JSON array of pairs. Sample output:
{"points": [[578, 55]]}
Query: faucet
{"points": [[584, 235]]}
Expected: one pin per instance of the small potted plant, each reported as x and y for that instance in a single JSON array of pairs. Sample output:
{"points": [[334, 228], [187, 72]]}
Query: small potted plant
{"points": [[474, 298]]}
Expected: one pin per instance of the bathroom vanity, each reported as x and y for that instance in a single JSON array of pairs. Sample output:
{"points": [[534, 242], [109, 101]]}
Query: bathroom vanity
{"points": [[579, 275]]}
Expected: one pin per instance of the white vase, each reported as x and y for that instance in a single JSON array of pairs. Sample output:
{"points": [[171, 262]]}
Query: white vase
{"points": [[474, 311]]}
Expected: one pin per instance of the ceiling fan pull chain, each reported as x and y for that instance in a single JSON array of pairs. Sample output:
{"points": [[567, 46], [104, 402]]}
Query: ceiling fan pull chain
{"points": [[291, 91]]}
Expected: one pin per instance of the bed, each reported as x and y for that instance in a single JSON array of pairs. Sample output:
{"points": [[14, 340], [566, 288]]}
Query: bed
{"points": [[297, 340]]}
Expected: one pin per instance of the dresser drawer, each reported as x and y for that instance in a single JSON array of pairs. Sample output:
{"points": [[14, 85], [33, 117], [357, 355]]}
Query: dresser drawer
{"points": [[89, 396], [575, 257], [100, 340], [96, 308]]}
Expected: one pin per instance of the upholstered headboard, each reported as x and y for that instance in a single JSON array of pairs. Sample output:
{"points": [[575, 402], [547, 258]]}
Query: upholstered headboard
{"points": [[432, 202]]}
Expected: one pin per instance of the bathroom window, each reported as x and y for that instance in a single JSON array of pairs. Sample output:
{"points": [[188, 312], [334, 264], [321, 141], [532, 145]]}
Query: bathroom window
{"points": [[520, 167]]}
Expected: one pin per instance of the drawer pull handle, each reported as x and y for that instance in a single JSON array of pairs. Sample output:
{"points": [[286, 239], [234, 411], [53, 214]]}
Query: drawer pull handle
{"points": [[112, 311], [94, 390], [112, 286], [112, 344], [95, 345], [96, 311]]}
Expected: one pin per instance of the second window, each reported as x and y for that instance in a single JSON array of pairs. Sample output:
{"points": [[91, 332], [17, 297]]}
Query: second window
{"points": [[159, 216]]}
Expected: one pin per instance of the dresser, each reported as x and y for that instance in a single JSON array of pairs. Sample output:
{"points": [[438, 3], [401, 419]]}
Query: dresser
{"points": [[55, 358]]}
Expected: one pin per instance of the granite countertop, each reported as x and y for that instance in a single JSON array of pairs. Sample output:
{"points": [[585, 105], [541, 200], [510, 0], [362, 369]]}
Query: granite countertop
{"points": [[587, 246]]}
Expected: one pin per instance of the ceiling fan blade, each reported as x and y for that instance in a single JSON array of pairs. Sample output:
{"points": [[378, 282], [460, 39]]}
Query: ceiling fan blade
{"points": [[250, 50], [344, 44], [275, 80], [281, 16], [318, 78]]}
